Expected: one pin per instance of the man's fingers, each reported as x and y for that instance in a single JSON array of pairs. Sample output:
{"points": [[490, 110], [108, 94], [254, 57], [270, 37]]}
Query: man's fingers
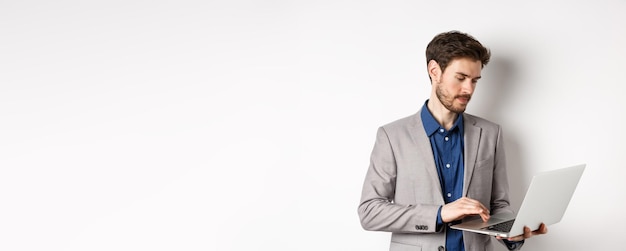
{"points": [[516, 238], [529, 233], [475, 207], [542, 229], [484, 217], [463, 207]]}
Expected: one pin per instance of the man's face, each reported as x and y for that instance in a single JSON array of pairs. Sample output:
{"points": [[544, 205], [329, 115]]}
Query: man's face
{"points": [[456, 84]]}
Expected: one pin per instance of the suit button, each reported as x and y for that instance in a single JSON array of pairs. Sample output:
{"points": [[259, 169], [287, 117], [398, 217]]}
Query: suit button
{"points": [[441, 248]]}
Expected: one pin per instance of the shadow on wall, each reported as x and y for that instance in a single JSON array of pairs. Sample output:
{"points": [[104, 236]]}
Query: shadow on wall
{"points": [[500, 88]]}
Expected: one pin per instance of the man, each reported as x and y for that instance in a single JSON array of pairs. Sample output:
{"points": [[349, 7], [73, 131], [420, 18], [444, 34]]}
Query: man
{"points": [[440, 165]]}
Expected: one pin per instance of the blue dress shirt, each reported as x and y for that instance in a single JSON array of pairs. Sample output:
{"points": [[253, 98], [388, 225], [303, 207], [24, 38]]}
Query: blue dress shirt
{"points": [[447, 146]]}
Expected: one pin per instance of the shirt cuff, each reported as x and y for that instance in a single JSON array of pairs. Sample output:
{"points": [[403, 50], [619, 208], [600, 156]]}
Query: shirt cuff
{"points": [[513, 245], [439, 220]]}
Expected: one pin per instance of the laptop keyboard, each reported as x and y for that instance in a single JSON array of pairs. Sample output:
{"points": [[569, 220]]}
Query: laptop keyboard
{"points": [[502, 227]]}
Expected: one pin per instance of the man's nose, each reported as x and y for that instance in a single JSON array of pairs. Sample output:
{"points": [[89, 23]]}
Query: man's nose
{"points": [[468, 86]]}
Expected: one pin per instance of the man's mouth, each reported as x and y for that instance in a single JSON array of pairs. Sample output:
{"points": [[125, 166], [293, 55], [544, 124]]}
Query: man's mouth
{"points": [[464, 98]]}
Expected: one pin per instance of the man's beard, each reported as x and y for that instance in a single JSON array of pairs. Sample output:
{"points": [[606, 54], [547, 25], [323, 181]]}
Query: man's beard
{"points": [[448, 102]]}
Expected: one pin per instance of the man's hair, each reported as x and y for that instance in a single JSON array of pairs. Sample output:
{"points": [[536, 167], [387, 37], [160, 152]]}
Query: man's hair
{"points": [[454, 45]]}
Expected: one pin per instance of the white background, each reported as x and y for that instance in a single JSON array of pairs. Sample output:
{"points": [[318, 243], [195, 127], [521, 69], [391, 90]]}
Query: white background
{"points": [[247, 125]]}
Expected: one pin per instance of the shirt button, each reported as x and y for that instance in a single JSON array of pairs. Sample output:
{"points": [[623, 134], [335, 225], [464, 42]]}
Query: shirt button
{"points": [[441, 130], [446, 138], [447, 165], [449, 195]]}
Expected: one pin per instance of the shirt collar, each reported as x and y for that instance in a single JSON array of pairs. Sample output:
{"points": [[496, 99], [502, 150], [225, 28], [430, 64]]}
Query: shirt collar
{"points": [[431, 125]]}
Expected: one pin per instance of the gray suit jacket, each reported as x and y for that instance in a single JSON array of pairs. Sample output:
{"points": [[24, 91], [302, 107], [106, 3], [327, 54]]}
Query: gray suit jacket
{"points": [[402, 193]]}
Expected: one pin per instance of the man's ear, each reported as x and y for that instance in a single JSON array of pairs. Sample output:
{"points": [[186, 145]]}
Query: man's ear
{"points": [[434, 70]]}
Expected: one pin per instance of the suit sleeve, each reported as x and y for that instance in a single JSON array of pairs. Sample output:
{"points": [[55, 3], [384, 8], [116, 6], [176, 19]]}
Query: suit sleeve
{"points": [[377, 210]]}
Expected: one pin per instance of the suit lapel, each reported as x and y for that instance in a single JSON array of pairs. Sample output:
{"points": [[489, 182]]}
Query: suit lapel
{"points": [[472, 140], [424, 149]]}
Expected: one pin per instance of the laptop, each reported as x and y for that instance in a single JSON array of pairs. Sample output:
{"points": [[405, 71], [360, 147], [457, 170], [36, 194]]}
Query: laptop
{"points": [[545, 202]]}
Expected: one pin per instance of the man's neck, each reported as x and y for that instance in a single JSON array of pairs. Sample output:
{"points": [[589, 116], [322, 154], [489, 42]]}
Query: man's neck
{"points": [[442, 115]]}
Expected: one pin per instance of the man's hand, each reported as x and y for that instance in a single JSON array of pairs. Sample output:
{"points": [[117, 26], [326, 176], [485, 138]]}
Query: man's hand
{"points": [[528, 233], [463, 207]]}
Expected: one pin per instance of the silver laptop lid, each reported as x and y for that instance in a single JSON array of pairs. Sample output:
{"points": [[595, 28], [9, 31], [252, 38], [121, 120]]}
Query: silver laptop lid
{"points": [[547, 198]]}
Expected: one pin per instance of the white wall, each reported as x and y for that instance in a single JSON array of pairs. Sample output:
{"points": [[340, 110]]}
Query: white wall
{"points": [[247, 125]]}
